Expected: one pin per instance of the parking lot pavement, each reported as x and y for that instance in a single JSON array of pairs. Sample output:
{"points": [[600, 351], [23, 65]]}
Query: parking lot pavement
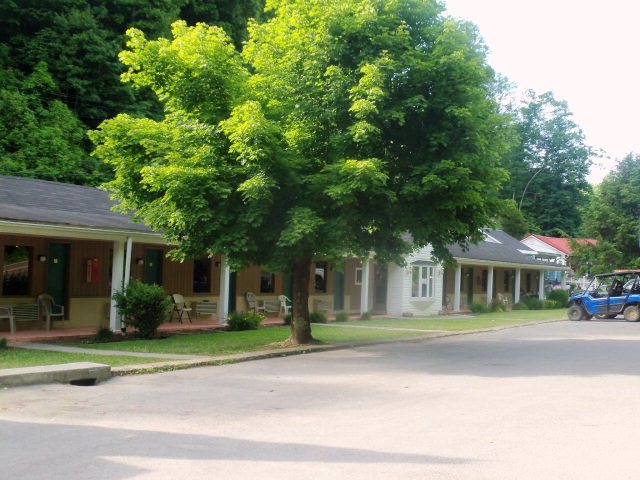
{"points": [[550, 401]]}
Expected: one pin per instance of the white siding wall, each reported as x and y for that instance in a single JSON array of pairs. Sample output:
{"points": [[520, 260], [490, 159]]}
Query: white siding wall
{"points": [[399, 298]]}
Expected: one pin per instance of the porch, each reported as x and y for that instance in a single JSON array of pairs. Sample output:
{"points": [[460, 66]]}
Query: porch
{"points": [[73, 333]]}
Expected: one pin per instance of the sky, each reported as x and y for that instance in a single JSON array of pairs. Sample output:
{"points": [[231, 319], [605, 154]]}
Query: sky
{"points": [[587, 53]]}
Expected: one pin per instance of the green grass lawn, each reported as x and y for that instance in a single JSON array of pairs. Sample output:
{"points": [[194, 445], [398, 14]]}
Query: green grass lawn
{"points": [[457, 323], [222, 343], [18, 357]]}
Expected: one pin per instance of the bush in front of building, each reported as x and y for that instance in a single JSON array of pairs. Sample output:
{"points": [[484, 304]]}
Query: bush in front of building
{"points": [[317, 317], [560, 297], [477, 307], [519, 306], [533, 303], [238, 321], [104, 335], [143, 307], [342, 316]]}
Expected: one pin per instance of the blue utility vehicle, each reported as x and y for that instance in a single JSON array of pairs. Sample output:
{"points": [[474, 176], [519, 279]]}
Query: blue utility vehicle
{"points": [[607, 296]]}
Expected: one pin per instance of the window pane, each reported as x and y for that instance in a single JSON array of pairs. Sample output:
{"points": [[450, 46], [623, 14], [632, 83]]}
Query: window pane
{"points": [[415, 281], [358, 276], [430, 290], [267, 282], [15, 270], [321, 277], [202, 275]]}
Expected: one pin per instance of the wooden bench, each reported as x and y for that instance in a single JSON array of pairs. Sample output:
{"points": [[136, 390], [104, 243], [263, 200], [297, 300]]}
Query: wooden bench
{"points": [[206, 308]]}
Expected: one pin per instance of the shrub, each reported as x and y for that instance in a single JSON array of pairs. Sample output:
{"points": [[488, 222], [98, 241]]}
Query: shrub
{"points": [[104, 335], [365, 316], [238, 321], [519, 306], [498, 305], [287, 318], [317, 317], [550, 304], [533, 303], [144, 307], [3, 344], [342, 316], [560, 297], [476, 307]]}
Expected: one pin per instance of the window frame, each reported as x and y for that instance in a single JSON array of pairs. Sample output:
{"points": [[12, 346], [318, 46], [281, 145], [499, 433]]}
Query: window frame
{"points": [[423, 281]]}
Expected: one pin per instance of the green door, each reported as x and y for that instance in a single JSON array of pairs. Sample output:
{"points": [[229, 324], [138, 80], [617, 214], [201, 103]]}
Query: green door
{"points": [[57, 272], [153, 266]]}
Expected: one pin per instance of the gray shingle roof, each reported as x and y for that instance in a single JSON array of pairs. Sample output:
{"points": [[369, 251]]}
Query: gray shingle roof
{"points": [[44, 202], [505, 251]]}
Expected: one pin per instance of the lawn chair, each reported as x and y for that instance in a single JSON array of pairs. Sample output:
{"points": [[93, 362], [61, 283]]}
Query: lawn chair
{"points": [[255, 304], [49, 309], [180, 307], [285, 304]]}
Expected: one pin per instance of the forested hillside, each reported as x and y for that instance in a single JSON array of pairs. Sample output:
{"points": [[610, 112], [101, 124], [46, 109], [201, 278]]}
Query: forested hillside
{"points": [[60, 75]]}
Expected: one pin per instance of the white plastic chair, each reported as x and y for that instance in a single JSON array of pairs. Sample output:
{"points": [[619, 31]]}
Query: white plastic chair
{"points": [[285, 304], [180, 307]]}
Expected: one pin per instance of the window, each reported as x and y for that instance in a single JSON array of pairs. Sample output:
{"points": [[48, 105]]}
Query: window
{"points": [[422, 283], [321, 277], [358, 276], [16, 270], [202, 275], [267, 282]]}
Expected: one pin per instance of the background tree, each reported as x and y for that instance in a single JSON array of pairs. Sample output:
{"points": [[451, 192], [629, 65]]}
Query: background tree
{"points": [[613, 213], [548, 166], [345, 125]]}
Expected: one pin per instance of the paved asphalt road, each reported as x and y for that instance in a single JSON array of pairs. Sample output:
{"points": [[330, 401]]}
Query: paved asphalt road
{"points": [[551, 401]]}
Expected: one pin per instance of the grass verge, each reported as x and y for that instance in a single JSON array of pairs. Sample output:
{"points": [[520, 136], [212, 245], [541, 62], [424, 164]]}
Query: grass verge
{"points": [[18, 357], [457, 323]]}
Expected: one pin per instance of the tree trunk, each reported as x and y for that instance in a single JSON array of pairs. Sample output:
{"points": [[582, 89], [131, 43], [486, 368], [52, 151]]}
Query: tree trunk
{"points": [[300, 326]]}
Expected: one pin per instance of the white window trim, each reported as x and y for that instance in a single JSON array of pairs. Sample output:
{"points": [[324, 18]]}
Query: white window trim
{"points": [[429, 281], [358, 272]]}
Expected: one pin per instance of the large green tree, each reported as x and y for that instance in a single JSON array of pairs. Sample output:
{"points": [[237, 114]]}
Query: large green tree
{"points": [[549, 165], [342, 126], [613, 213]]}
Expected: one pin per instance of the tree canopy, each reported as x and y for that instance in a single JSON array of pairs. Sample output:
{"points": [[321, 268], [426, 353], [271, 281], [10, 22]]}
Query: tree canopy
{"points": [[342, 126], [549, 165], [613, 213]]}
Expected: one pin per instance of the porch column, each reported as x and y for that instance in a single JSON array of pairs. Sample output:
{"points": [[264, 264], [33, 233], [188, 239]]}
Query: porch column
{"points": [[490, 285], [127, 262], [516, 288], [541, 284], [364, 290], [457, 284], [117, 269], [223, 297], [563, 280]]}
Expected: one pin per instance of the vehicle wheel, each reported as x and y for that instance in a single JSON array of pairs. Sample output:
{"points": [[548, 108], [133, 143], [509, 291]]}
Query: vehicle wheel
{"points": [[632, 313], [575, 313]]}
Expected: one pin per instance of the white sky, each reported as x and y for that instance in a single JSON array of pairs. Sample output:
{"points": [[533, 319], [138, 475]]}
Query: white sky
{"points": [[585, 52]]}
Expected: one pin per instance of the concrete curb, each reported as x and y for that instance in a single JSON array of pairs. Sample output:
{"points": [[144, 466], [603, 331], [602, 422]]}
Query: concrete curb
{"points": [[82, 373]]}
